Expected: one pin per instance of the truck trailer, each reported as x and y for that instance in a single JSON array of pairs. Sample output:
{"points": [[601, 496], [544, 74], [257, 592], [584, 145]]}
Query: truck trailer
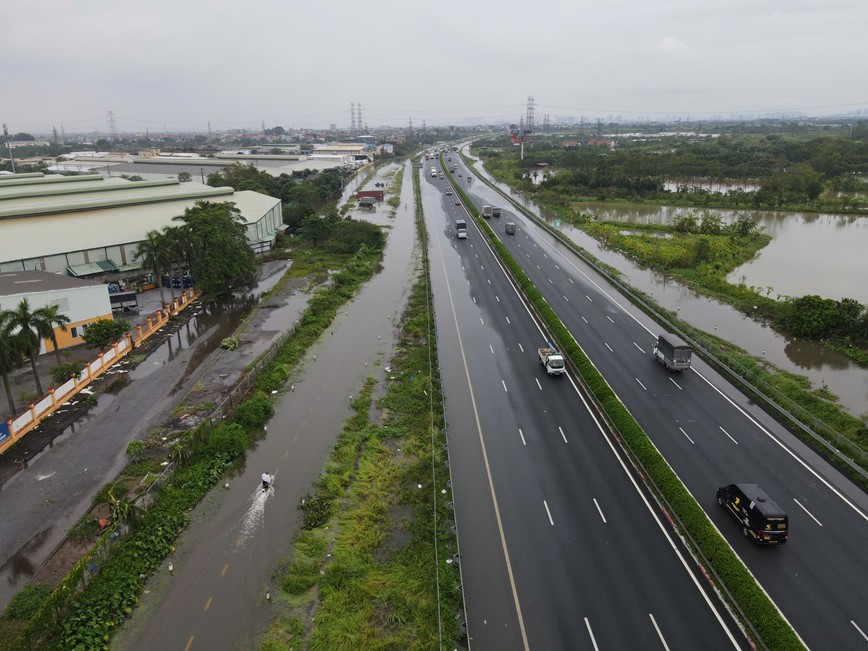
{"points": [[486, 212], [673, 352]]}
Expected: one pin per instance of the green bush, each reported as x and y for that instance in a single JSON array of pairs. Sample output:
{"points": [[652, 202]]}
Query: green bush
{"points": [[253, 412], [27, 601], [230, 439], [60, 374]]}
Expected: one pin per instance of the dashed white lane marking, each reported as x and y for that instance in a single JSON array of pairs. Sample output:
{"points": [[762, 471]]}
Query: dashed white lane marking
{"points": [[563, 436], [727, 433], [521, 434], [600, 511], [640, 384], [591, 634], [504, 385], [521, 348], [659, 632], [685, 434], [508, 321], [491, 348], [609, 347], [639, 347], [676, 384], [610, 318], [549, 513], [538, 384], [810, 515], [584, 319]]}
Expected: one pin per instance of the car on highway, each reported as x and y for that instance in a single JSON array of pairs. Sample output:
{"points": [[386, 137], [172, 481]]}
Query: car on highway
{"points": [[448, 191], [762, 520], [457, 202]]}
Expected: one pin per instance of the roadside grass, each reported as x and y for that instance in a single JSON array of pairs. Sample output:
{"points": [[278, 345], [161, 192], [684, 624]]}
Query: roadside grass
{"points": [[369, 576]]}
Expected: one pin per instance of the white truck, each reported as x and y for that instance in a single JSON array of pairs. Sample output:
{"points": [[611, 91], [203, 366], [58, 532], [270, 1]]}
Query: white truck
{"points": [[486, 212], [461, 229], [551, 359]]}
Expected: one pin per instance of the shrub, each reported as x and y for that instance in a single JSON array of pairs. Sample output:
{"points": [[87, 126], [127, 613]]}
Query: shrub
{"points": [[252, 413], [60, 374], [28, 600]]}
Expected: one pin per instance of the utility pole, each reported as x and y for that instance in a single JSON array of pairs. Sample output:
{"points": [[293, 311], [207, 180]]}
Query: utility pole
{"points": [[11, 157]]}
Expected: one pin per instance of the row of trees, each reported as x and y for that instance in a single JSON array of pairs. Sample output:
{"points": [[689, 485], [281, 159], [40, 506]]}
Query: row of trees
{"points": [[211, 243], [791, 171]]}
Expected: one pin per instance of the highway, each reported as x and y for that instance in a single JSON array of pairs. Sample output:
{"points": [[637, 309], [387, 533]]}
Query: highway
{"points": [[712, 435], [560, 546]]}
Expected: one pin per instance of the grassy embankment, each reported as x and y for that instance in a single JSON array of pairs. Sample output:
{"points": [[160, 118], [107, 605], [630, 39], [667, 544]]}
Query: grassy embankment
{"points": [[757, 611], [369, 569], [84, 610]]}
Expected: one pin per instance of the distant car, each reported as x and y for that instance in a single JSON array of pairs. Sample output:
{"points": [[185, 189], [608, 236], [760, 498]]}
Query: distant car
{"points": [[448, 191], [459, 173], [457, 202]]}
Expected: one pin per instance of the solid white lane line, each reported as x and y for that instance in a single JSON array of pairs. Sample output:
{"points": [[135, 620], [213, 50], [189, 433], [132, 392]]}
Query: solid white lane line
{"points": [[504, 385], [563, 436], [640, 348], [600, 511], [727, 433], [609, 347], [491, 348], [659, 633], [538, 384], [521, 348], [676, 384], [584, 319], [549, 513], [810, 515], [521, 434], [640, 384], [861, 632], [610, 318], [685, 434], [508, 321], [591, 634]]}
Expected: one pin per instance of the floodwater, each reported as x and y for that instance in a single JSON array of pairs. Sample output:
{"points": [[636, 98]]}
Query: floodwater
{"points": [[844, 378], [244, 532], [810, 253]]}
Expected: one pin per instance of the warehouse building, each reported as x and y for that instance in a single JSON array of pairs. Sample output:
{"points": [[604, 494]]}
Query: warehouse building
{"points": [[82, 301], [90, 226]]}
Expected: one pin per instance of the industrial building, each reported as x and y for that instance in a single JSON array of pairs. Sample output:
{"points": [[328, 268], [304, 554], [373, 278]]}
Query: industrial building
{"points": [[90, 226], [82, 301]]}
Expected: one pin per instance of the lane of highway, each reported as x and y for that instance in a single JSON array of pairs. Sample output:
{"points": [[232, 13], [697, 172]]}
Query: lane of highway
{"points": [[818, 580], [589, 558]]}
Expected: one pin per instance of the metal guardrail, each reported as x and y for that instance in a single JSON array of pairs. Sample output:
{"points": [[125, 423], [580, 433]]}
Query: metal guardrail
{"points": [[715, 356]]}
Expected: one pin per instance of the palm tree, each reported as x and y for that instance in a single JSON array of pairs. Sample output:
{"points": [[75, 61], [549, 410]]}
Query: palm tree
{"points": [[174, 237], [10, 356], [152, 252], [27, 327], [48, 319]]}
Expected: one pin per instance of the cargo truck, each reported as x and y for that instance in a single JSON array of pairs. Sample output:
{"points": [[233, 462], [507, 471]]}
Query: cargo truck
{"points": [[486, 212], [673, 352], [510, 228], [551, 359], [495, 211]]}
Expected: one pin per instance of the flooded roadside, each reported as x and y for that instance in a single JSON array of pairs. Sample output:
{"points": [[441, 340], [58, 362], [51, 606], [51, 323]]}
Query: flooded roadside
{"points": [[822, 367]]}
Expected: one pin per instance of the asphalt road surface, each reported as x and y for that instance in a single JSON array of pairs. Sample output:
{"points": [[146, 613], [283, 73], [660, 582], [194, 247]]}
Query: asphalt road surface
{"points": [[560, 546], [712, 435]]}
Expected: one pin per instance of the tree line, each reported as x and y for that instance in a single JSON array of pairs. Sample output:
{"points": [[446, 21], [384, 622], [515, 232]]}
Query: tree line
{"points": [[792, 172]]}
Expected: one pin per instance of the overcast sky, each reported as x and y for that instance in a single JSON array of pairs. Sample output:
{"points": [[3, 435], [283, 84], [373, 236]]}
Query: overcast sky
{"points": [[300, 63]]}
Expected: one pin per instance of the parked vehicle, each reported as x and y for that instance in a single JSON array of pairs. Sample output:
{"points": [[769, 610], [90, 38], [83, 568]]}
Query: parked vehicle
{"points": [[495, 211], [461, 229], [673, 352], [486, 212], [366, 202], [551, 359], [510, 228], [761, 519]]}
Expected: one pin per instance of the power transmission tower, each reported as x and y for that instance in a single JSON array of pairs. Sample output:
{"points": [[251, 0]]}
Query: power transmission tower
{"points": [[410, 127], [263, 126], [6, 137], [53, 135], [546, 123], [209, 129], [360, 123], [529, 126], [62, 135], [582, 129], [352, 117], [113, 127]]}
